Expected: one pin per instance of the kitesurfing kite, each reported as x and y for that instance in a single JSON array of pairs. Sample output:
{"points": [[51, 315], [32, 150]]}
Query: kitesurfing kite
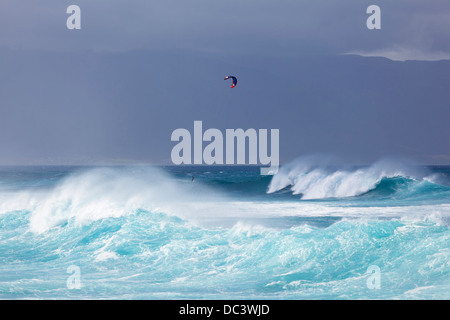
{"points": [[234, 80]]}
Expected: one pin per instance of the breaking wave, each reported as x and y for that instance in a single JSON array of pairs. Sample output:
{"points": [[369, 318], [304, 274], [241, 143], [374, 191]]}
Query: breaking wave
{"points": [[317, 178], [133, 233]]}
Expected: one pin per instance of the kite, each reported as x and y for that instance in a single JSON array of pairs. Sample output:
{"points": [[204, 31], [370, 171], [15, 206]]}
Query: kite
{"points": [[234, 80]]}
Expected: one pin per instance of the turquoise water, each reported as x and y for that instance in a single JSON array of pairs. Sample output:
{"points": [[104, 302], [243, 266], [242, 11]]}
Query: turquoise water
{"points": [[153, 233]]}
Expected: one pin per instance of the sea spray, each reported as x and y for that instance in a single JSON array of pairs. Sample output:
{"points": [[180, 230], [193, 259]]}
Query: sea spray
{"points": [[319, 177], [90, 195], [153, 233]]}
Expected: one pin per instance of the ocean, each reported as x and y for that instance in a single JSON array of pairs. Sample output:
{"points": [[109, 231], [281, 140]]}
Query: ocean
{"points": [[314, 230]]}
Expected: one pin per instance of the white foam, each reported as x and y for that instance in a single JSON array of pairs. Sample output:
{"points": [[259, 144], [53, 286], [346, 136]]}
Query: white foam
{"points": [[98, 194], [107, 193], [106, 255], [315, 178]]}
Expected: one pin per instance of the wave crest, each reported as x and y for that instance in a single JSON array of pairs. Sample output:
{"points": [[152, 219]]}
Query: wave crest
{"points": [[110, 193], [316, 178]]}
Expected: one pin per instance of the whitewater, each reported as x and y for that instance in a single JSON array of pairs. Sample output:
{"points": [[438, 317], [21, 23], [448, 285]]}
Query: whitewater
{"points": [[312, 231]]}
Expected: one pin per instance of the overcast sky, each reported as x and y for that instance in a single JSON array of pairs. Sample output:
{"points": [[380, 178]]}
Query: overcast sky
{"points": [[137, 70], [410, 29]]}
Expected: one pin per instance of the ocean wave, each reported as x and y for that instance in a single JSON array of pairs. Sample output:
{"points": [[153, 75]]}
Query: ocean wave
{"points": [[316, 178], [147, 255], [85, 196], [142, 233], [95, 194]]}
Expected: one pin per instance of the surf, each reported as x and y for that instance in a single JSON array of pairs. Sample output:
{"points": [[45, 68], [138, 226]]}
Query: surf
{"points": [[320, 178], [83, 196], [152, 233]]}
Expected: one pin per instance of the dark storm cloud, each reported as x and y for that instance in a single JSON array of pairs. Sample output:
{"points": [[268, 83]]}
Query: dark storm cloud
{"points": [[90, 108], [137, 70], [258, 26]]}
